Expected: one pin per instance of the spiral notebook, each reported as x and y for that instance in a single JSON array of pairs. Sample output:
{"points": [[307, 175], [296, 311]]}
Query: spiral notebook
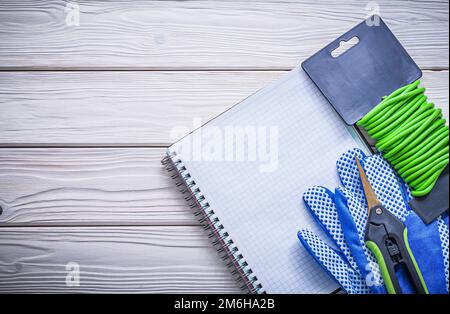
{"points": [[249, 195]]}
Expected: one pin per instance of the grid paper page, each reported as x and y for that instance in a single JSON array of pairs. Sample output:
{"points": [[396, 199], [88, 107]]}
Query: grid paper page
{"points": [[263, 211]]}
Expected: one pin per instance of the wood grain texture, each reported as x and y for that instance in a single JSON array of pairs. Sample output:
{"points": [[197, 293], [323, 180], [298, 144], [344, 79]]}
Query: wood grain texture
{"points": [[63, 205], [437, 91], [204, 34], [144, 108], [89, 187], [114, 259], [115, 107]]}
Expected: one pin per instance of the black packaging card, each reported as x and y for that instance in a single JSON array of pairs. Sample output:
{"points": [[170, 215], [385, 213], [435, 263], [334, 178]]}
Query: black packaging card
{"points": [[356, 80]]}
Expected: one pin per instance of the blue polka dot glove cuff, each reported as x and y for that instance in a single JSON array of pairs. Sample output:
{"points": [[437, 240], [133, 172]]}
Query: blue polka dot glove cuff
{"points": [[342, 214]]}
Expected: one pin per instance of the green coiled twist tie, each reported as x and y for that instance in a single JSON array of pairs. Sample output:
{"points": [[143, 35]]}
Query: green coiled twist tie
{"points": [[412, 135]]}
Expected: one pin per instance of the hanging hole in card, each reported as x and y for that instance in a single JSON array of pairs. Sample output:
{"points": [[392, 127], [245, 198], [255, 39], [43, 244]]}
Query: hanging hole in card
{"points": [[344, 46], [358, 79]]}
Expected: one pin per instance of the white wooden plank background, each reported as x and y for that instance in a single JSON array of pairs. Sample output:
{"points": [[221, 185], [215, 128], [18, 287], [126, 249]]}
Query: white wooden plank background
{"points": [[130, 107], [86, 113], [89, 186], [79, 186], [157, 259], [204, 34]]}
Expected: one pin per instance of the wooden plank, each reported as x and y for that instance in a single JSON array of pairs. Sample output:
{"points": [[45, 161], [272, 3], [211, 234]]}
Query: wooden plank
{"points": [[115, 107], [114, 259], [437, 89], [89, 187], [143, 108], [204, 34]]}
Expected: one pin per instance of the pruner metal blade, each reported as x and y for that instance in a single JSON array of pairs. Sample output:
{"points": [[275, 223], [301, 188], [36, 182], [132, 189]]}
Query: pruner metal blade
{"points": [[371, 197]]}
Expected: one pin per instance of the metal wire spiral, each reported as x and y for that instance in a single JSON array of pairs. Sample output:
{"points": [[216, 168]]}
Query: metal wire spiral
{"points": [[221, 239]]}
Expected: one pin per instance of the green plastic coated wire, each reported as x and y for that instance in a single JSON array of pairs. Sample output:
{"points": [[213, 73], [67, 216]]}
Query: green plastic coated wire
{"points": [[412, 135], [421, 140]]}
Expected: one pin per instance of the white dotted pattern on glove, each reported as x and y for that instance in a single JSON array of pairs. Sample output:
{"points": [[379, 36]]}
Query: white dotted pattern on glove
{"points": [[350, 281], [324, 208], [359, 213], [444, 234], [385, 183], [381, 177], [349, 174]]}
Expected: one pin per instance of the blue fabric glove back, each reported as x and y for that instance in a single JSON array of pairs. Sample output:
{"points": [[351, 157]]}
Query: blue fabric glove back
{"points": [[343, 216]]}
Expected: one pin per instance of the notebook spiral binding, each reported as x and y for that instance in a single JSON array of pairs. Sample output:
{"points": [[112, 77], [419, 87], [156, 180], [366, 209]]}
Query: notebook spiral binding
{"points": [[221, 240]]}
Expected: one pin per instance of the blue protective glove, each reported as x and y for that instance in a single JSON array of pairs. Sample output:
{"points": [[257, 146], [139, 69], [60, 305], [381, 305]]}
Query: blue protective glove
{"points": [[343, 216]]}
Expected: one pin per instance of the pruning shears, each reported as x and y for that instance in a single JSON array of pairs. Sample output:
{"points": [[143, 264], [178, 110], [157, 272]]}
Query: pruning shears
{"points": [[387, 238]]}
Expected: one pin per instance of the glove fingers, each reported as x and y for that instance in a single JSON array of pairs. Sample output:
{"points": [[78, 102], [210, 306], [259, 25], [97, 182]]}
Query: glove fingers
{"points": [[333, 263], [389, 190], [320, 202], [349, 174], [353, 217], [387, 186]]}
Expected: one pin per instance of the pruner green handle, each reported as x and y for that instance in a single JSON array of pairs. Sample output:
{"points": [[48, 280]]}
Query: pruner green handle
{"points": [[387, 238]]}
